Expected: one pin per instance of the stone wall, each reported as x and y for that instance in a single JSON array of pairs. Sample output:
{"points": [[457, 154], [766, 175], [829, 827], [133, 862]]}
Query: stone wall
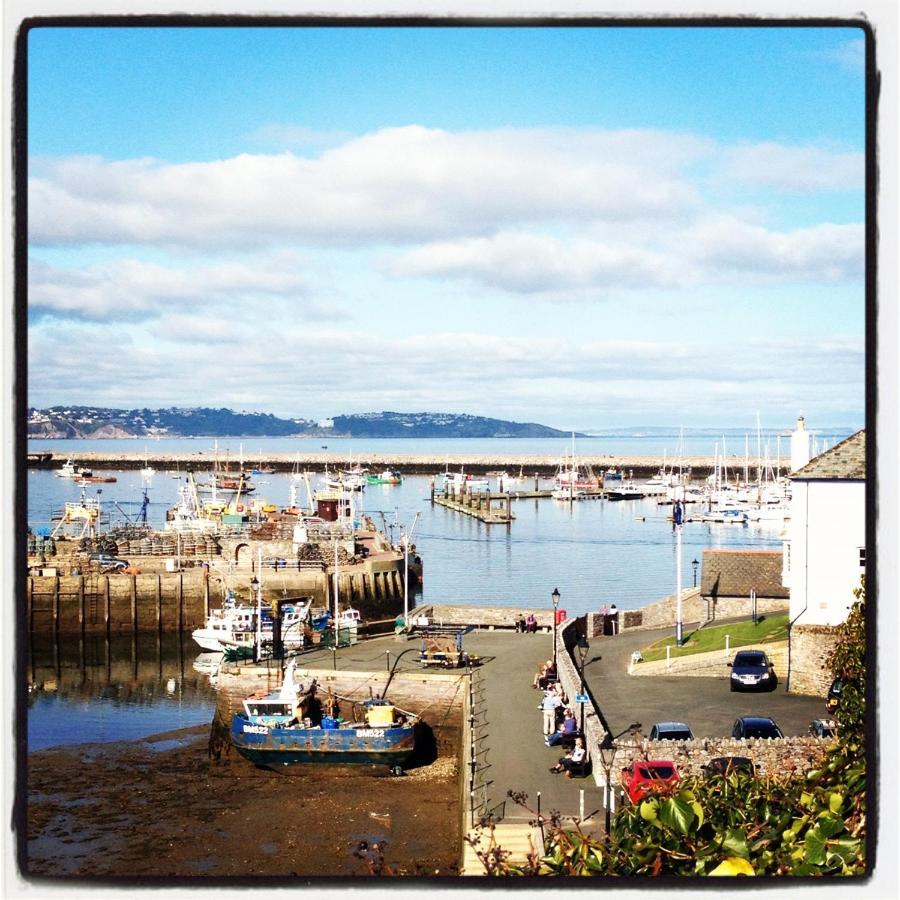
{"points": [[482, 616], [810, 647], [695, 608], [782, 756]]}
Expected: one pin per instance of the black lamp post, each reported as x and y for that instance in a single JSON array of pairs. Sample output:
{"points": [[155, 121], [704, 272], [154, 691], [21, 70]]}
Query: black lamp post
{"points": [[254, 590], [608, 750], [555, 597], [583, 647], [695, 563]]}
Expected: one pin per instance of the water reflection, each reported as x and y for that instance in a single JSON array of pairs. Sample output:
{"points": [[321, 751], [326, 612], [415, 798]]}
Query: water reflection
{"points": [[122, 688]]}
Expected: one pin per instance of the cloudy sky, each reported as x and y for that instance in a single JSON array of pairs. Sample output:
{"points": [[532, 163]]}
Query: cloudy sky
{"points": [[585, 227]]}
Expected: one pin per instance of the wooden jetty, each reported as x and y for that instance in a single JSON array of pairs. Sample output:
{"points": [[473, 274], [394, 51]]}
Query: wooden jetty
{"points": [[480, 505]]}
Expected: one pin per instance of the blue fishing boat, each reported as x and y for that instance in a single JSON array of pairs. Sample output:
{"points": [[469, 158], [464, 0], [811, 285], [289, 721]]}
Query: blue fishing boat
{"points": [[287, 726]]}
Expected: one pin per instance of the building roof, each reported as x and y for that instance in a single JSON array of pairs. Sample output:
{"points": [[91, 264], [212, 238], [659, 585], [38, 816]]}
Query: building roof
{"points": [[734, 573], [845, 461]]}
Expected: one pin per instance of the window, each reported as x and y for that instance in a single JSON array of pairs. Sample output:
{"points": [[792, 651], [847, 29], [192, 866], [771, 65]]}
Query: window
{"points": [[862, 557]]}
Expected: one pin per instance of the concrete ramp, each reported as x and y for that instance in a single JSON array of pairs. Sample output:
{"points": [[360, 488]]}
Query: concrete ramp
{"points": [[517, 839]]}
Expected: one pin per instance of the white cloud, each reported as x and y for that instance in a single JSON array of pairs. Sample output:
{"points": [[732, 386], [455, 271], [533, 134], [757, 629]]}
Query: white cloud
{"points": [[802, 170], [729, 249], [522, 262], [130, 286], [397, 184]]}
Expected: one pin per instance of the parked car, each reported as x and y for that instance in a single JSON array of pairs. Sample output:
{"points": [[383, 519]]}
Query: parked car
{"points": [[671, 731], [107, 563], [833, 699], [643, 776], [755, 727], [725, 765], [823, 728], [752, 670]]}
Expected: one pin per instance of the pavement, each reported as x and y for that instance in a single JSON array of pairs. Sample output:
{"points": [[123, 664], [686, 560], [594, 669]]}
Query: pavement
{"points": [[511, 751]]}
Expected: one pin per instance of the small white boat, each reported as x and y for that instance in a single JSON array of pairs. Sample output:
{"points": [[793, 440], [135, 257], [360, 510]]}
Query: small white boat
{"points": [[236, 625], [567, 494], [69, 470]]}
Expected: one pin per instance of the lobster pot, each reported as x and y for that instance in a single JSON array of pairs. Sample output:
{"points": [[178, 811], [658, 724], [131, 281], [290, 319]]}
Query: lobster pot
{"points": [[189, 547], [155, 546], [212, 548], [146, 544], [32, 544], [168, 547]]}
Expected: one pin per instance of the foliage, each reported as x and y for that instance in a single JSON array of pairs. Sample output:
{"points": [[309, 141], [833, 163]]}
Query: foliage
{"points": [[739, 824]]}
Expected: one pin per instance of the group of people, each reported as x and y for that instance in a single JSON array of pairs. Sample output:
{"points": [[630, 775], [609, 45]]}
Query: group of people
{"points": [[558, 719], [527, 625]]}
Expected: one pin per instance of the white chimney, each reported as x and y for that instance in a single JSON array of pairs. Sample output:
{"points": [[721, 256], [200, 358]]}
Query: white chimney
{"points": [[800, 450]]}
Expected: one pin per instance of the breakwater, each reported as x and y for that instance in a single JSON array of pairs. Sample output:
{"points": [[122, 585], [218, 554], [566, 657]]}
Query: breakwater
{"points": [[408, 464]]}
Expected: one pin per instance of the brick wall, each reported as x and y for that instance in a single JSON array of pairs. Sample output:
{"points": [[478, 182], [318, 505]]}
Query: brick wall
{"points": [[810, 647], [482, 616]]}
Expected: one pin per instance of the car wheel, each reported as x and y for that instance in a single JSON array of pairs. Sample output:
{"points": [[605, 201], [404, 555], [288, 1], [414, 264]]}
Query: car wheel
{"points": [[732, 687]]}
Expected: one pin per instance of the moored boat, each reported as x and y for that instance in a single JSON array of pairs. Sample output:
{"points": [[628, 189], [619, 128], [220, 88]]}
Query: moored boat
{"points": [[288, 726], [388, 476]]}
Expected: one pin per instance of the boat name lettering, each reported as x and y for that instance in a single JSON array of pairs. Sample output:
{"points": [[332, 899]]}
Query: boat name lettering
{"points": [[256, 729], [370, 732]]}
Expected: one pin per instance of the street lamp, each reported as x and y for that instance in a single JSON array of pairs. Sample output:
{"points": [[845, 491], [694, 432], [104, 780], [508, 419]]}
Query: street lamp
{"points": [[608, 750], [583, 647], [695, 563], [555, 598], [254, 589]]}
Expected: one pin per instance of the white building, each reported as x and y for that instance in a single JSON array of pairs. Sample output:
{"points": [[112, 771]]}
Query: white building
{"points": [[825, 554]]}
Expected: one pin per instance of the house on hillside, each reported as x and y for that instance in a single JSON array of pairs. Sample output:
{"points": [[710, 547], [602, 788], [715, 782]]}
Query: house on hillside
{"points": [[824, 556]]}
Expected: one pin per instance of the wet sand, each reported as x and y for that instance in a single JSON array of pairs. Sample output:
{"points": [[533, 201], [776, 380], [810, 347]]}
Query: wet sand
{"points": [[163, 807]]}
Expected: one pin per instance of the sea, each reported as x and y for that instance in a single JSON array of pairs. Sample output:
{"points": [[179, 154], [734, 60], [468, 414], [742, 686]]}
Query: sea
{"points": [[595, 553]]}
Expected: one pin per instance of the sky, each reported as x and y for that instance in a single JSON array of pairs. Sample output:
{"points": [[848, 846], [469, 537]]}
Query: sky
{"points": [[585, 227]]}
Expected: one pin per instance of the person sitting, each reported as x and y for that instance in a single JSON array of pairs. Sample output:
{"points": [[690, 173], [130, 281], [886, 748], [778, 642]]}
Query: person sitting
{"points": [[573, 760], [560, 692], [540, 678], [531, 624], [520, 625], [568, 729]]}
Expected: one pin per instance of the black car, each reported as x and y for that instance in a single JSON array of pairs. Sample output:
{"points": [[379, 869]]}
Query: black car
{"points": [[752, 670], [755, 727], [671, 731], [725, 765]]}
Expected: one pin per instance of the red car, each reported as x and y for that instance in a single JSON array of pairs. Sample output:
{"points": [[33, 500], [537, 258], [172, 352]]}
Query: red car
{"points": [[640, 778]]}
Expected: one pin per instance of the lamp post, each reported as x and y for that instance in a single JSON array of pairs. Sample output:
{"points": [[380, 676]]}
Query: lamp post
{"points": [[254, 588], [608, 750], [583, 647], [555, 597], [695, 563], [677, 519]]}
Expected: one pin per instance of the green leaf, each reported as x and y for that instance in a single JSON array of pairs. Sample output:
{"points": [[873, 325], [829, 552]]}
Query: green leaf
{"points": [[814, 847], [828, 826], [649, 809], [735, 843], [698, 812], [835, 802], [676, 814], [733, 865]]}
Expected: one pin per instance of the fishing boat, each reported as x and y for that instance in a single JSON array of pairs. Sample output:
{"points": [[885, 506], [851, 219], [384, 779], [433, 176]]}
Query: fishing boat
{"points": [[626, 490], [70, 470], [568, 493], [388, 476], [96, 479], [287, 727], [239, 625]]}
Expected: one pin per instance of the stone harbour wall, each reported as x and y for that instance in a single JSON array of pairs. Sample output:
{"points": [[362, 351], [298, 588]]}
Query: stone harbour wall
{"points": [[810, 648]]}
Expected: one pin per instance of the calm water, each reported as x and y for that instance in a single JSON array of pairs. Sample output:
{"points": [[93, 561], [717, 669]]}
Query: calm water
{"points": [[595, 552]]}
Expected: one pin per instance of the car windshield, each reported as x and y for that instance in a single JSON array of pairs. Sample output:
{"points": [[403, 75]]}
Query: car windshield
{"points": [[761, 731], [663, 772], [674, 734], [750, 659]]}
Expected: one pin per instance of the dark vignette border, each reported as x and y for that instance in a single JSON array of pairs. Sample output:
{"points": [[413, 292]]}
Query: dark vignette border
{"points": [[20, 403]]}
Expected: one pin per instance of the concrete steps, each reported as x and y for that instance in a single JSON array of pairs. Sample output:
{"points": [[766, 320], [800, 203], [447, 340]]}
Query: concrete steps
{"points": [[518, 839]]}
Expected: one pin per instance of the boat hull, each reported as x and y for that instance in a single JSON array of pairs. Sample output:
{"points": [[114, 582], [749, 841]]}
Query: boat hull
{"points": [[278, 746]]}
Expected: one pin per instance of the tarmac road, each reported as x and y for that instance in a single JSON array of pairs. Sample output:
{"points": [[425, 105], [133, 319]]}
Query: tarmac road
{"points": [[706, 704]]}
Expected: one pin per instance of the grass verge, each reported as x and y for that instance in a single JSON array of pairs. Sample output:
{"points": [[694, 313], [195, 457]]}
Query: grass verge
{"points": [[705, 640]]}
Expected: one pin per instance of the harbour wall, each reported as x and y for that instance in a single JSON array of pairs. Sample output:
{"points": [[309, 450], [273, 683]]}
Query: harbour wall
{"points": [[408, 464], [173, 601]]}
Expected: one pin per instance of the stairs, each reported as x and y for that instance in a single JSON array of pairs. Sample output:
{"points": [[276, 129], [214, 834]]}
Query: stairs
{"points": [[518, 839]]}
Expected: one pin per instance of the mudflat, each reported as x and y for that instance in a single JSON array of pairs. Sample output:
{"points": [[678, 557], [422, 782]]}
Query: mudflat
{"points": [[165, 807]]}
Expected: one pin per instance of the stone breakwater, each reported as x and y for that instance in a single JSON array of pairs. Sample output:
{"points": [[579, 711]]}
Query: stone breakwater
{"points": [[410, 464]]}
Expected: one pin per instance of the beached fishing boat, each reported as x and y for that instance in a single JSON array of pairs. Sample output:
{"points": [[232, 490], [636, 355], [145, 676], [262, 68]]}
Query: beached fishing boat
{"points": [[288, 726]]}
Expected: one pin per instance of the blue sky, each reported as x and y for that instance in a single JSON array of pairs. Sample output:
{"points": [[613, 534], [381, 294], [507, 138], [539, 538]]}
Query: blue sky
{"points": [[585, 227]]}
